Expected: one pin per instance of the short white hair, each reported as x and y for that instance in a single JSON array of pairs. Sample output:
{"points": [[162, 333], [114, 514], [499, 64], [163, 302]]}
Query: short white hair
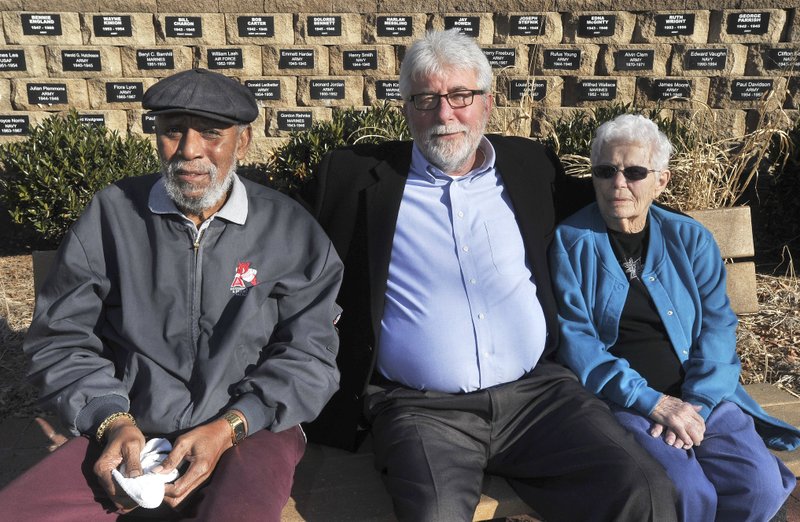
{"points": [[633, 128], [441, 51]]}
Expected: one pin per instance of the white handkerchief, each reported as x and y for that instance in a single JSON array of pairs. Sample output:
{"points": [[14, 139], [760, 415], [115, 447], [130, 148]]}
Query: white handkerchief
{"points": [[147, 490]]}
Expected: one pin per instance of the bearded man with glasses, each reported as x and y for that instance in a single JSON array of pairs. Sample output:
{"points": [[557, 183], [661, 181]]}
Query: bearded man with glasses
{"points": [[449, 322]]}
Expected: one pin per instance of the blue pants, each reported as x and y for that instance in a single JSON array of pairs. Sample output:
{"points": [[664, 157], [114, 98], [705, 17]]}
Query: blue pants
{"points": [[730, 476]]}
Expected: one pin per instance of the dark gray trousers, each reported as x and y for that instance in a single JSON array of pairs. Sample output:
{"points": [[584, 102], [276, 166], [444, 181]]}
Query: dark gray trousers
{"points": [[560, 448]]}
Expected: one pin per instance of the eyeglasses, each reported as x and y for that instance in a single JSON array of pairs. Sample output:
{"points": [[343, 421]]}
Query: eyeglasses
{"points": [[633, 173], [456, 99]]}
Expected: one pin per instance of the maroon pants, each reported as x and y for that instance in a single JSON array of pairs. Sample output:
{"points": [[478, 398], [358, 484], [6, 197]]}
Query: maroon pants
{"points": [[252, 481]]}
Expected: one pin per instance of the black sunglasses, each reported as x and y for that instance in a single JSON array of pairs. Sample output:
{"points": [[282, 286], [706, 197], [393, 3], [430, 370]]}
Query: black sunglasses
{"points": [[633, 173]]}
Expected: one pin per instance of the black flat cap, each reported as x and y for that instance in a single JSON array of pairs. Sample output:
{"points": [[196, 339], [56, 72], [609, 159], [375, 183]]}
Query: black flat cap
{"points": [[203, 93]]}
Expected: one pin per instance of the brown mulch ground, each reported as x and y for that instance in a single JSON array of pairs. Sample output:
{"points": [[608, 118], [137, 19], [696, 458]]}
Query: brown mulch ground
{"points": [[769, 342]]}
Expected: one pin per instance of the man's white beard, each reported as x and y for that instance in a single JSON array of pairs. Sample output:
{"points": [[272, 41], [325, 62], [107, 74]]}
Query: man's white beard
{"points": [[195, 205], [448, 155]]}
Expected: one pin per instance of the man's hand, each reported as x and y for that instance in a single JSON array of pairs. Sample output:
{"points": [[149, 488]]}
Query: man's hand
{"points": [[124, 443], [679, 421], [202, 447]]}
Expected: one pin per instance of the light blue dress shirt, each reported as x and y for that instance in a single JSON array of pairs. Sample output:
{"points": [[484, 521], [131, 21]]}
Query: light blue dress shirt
{"points": [[461, 310]]}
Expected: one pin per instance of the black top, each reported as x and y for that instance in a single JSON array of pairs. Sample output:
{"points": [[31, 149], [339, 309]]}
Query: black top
{"points": [[643, 340]]}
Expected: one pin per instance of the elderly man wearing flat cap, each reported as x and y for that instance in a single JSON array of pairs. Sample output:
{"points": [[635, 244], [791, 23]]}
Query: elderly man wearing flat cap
{"points": [[186, 331]]}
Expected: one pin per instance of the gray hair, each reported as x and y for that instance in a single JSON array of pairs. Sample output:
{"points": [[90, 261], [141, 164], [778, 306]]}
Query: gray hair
{"points": [[439, 51], [634, 128]]}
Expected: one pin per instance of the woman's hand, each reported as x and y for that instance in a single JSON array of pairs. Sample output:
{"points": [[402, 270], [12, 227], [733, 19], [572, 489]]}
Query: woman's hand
{"points": [[678, 421]]}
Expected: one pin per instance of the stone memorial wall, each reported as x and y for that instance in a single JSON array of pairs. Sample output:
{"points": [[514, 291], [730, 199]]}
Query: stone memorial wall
{"points": [[305, 59]]}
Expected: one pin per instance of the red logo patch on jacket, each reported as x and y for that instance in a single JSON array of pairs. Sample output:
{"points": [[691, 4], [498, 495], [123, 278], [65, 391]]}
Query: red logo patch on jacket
{"points": [[244, 278]]}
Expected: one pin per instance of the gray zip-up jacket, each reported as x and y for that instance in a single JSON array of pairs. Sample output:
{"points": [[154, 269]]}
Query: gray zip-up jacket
{"points": [[145, 313]]}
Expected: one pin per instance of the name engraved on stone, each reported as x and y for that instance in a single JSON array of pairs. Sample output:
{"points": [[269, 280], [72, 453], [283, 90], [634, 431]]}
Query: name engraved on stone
{"points": [[563, 59], [256, 26], [705, 59], [775, 59], [81, 61], [184, 26], [499, 58], [296, 59], [387, 90], [678, 24], [119, 92], [47, 93], [597, 90], [748, 23], [147, 59], [750, 90], [395, 26], [634, 60], [360, 60], [324, 25], [41, 24], [591, 26], [665, 89], [468, 25], [264, 89], [527, 25], [327, 89], [14, 125], [294, 120], [225, 59], [110, 25], [13, 60], [535, 90], [97, 120], [148, 123]]}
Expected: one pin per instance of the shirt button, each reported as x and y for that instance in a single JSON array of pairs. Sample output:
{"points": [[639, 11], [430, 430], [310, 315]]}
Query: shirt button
{"points": [[460, 214], [669, 312], [465, 248], [685, 352], [473, 281], [481, 316], [651, 278]]}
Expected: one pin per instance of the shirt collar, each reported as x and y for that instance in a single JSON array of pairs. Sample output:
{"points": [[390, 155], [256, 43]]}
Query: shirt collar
{"points": [[234, 210], [422, 168]]}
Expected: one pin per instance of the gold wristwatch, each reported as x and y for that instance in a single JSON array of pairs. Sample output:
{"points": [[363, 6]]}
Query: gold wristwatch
{"points": [[238, 432]]}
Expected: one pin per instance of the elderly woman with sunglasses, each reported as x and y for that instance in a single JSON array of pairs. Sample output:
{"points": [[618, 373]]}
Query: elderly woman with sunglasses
{"points": [[647, 326]]}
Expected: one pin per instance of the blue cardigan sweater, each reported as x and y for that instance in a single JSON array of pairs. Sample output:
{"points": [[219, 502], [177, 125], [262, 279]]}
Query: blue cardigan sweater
{"points": [[685, 277]]}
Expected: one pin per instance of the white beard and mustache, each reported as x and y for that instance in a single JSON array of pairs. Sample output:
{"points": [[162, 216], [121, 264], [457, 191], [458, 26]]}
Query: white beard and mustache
{"points": [[178, 189], [448, 155]]}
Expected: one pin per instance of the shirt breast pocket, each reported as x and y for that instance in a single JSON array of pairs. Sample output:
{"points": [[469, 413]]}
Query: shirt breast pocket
{"points": [[505, 245]]}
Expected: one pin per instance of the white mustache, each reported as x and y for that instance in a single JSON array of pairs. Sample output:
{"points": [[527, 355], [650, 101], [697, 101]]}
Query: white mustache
{"points": [[452, 128], [192, 166]]}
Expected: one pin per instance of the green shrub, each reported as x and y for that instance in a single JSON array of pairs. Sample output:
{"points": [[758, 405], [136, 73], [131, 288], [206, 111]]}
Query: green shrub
{"points": [[48, 178], [290, 166]]}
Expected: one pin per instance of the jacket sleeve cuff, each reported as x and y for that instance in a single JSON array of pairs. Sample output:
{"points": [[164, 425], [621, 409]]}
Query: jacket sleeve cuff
{"points": [[98, 409], [705, 405], [257, 414], [646, 401]]}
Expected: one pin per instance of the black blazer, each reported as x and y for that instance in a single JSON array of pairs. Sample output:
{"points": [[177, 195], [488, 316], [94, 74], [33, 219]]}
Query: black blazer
{"points": [[356, 197]]}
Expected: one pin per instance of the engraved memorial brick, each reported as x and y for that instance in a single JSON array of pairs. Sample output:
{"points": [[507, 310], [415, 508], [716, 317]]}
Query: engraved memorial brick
{"points": [[97, 120], [781, 59], [634, 60], [705, 59], [264, 89], [184, 26], [224, 58], [154, 59], [324, 26], [256, 26], [675, 24], [294, 120], [41, 24], [88, 60], [387, 90], [360, 60], [527, 25], [395, 26], [327, 89], [467, 25], [747, 23], [12, 60], [562, 59], [47, 93], [296, 59], [148, 123], [499, 58], [124, 92], [13, 125], [112, 25], [750, 89], [597, 90], [535, 90], [593, 26], [664, 89]]}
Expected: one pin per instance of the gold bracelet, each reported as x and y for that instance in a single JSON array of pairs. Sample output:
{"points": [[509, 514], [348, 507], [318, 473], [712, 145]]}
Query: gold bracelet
{"points": [[101, 430]]}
